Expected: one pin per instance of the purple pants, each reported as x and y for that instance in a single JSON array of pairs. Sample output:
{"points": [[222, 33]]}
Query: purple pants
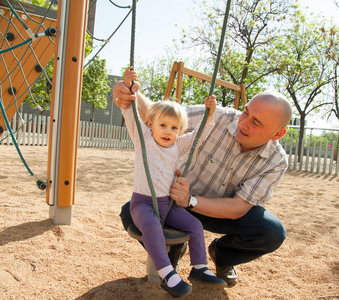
{"points": [[153, 238]]}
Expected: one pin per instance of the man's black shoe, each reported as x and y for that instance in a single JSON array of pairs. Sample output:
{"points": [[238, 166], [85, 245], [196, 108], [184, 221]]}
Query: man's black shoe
{"points": [[228, 274], [199, 276]]}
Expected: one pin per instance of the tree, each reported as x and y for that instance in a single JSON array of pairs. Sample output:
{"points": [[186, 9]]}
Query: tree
{"points": [[248, 56], [305, 67], [95, 84], [154, 77], [40, 93], [331, 36]]}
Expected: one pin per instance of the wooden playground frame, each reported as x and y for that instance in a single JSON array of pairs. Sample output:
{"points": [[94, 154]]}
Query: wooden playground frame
{"points": [[179, 70]]}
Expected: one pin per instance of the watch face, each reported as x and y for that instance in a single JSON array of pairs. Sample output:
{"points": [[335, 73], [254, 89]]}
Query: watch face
{"points": [[193, 201]]}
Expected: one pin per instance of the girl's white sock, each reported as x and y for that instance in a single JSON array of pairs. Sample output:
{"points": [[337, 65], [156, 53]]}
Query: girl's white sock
{"points": [[173, 280], [207, 272]]}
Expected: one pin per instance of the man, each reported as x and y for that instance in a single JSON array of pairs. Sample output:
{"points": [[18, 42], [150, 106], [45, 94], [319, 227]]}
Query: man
{"points": [[232, 174]]}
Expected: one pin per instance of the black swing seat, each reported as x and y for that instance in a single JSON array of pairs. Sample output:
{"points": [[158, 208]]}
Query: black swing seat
{"points": [[172, 236]]}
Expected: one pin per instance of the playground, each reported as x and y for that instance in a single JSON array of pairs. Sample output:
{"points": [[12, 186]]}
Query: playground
{"points": [[96, 259], [43, 257]]}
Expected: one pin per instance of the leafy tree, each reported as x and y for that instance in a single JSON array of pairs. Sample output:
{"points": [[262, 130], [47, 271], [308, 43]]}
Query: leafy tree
{"points": [[154, 77], [40, 94], [331, 37], [95, 84], [248, 56], [42, 3], [304, 65]]}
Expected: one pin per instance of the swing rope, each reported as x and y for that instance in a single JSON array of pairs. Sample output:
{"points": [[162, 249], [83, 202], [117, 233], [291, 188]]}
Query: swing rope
{"points": [[203, 122], [136, 117], [214, 77]]}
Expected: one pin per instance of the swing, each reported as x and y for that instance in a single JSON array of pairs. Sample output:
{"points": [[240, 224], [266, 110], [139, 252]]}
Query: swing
{"points": [[172, 236]]}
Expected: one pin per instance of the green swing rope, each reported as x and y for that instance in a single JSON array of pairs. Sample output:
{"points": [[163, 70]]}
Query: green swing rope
{"points": [[214, 77], [141, 137], [203, 122]]}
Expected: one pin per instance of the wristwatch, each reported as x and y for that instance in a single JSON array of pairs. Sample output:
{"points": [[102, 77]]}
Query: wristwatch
{"points": [[192, 202]]}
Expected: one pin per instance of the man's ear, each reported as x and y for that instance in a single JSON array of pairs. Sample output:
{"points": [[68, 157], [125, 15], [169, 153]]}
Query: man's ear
{"points": [[279, 134]]}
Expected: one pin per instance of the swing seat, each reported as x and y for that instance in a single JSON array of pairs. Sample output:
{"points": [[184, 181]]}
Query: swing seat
{"points": [[172, 237]]}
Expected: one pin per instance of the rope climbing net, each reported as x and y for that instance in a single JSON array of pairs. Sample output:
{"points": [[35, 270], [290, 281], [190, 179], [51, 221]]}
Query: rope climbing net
{"points": [[27, 45], [27, 41]]}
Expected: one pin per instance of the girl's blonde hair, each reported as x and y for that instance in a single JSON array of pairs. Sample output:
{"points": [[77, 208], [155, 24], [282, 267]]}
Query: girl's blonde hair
{"points": [[169, 109]]}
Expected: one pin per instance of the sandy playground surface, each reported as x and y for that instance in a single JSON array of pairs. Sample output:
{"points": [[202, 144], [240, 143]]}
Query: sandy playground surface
{"points": [[96, 259]]}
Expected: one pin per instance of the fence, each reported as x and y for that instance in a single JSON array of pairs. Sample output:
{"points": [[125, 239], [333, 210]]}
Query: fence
{"points": [[317, 157], [34, 130]]}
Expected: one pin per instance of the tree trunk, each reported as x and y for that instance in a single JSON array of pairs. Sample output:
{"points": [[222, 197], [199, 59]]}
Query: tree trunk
{"points": [[301, 135], [92, 119]]}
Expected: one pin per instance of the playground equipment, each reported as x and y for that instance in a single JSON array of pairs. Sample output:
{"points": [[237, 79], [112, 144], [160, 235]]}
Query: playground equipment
{"points": [[65, 109], [177, 72], [27, 45]]}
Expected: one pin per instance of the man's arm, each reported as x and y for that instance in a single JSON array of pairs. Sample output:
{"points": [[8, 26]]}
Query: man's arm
{"points": [[224, 208], [122, 97]]}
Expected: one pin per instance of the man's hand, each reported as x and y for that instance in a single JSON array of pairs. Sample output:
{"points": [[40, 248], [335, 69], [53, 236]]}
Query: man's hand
{"points": [[180, 190], [122, 95]]}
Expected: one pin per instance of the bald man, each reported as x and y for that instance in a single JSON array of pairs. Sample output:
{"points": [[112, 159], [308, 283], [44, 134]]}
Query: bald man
{"points": [[232, 175]]}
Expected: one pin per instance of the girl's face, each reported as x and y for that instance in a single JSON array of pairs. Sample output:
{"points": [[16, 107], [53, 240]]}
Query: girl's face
{"points": [[165, 130]]}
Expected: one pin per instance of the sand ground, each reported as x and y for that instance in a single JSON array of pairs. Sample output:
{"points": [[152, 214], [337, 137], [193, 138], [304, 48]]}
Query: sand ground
{"points": [[95, 258]]}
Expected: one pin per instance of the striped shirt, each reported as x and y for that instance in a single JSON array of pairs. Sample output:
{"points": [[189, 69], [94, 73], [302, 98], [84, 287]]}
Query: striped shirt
{"points": [[219, 169]]}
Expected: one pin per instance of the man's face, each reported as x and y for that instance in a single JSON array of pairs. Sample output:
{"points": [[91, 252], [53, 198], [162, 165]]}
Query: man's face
{"points": [[258, 124]]}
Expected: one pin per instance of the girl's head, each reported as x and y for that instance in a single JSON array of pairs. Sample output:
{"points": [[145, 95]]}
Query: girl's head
{"points": [[167, 120]]}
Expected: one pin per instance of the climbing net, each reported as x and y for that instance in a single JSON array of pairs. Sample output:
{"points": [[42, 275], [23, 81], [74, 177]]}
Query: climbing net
{"points": [[27, 40], [27, 45]]}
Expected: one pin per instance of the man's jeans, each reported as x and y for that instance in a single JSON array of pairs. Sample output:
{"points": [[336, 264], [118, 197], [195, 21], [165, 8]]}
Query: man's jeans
{"points": [[257, 233]]}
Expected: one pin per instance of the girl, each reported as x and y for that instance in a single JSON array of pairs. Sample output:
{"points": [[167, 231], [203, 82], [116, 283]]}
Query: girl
{"points": [[166, 122]]}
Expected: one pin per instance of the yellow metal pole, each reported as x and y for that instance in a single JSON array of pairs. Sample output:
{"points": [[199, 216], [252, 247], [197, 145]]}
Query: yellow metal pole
{"points": [[65, 111]]}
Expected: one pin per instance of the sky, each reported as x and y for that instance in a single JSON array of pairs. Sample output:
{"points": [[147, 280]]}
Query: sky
{"points": [[158, 22]]}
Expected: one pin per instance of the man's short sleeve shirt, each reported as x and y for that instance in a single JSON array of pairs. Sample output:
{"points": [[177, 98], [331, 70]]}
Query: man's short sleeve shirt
{"points": [[219, 169]]}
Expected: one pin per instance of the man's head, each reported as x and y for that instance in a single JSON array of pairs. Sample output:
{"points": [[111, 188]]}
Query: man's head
{"points": [[264, 118]]}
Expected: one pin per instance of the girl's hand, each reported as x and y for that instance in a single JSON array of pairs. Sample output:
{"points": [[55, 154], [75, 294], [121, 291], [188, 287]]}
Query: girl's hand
{"points": [[129, 76], [211, 103]]}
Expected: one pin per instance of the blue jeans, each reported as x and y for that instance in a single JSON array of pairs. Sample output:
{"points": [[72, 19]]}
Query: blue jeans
{"points": [[257, 233]]}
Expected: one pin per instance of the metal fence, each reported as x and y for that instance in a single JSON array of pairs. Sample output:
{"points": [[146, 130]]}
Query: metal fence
{"points": [[34, 131], [315, 156]]}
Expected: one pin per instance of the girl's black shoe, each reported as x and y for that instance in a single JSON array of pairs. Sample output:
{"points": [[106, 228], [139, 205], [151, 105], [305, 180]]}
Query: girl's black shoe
{"points": [[177, 291]]}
